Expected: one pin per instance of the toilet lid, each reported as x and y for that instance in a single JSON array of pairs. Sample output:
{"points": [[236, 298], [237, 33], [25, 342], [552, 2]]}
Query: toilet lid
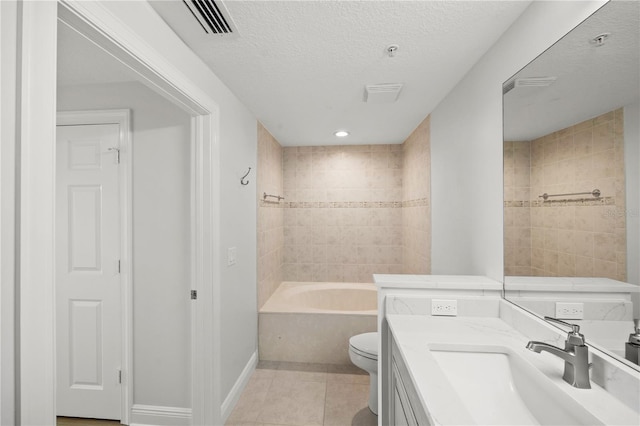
{"points": [[366, 343]]}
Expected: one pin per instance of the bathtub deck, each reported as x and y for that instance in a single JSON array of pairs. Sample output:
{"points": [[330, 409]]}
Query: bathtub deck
{"points": [[301, 394]]}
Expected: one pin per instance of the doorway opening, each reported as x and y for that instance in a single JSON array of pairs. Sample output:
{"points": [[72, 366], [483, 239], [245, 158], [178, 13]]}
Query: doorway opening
{"points": [[37, 311]]}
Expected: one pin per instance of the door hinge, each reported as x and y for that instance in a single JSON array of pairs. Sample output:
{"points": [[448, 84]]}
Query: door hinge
{"points": [[120, 376], [194, 294], [119, 262]]}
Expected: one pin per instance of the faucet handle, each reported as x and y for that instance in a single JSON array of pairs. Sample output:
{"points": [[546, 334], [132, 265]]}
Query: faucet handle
{"points": [[574, 338], [575, 328], [635, 336]]}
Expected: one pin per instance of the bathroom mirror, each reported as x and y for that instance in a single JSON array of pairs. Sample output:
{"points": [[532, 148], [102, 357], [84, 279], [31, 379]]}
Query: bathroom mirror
{"points": [[571, 182]]}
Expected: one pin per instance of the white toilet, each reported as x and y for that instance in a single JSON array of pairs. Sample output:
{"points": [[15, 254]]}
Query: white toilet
{"points": [[363, 352]]}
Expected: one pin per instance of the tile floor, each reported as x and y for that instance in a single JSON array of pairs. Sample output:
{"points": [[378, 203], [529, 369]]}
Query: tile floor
{"points": [[283, 393]]}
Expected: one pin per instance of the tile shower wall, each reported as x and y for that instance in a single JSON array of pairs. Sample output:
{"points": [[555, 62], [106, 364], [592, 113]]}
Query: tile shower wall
{"points": [[583, 236], [270, 215], [343, 215], [416, 210], [517, 210]]}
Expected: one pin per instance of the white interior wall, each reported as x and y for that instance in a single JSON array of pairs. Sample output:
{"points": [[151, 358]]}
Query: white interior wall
{"points": [[239, 230], [236, 137], [466, 144], [236, 323], [161, 236], [632, 179], [8, 34]]}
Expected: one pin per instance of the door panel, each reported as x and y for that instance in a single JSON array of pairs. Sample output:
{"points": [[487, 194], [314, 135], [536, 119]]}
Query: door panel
{"points": [[88, 293], [85, 219], [85, 344]]}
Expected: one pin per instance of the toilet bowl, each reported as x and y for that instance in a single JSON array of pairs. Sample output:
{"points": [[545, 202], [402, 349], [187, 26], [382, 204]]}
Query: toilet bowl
{"points": [[363, 352]]}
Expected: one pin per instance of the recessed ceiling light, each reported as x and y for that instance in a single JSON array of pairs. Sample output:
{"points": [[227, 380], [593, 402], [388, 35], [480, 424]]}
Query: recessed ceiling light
{"points": [[341, 133]]}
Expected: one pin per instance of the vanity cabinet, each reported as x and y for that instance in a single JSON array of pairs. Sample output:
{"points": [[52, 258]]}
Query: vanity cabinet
{"points": [[405, 407]]}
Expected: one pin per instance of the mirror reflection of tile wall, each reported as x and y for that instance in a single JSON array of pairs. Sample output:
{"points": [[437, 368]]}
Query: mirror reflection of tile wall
{"points": [[578, 236]]}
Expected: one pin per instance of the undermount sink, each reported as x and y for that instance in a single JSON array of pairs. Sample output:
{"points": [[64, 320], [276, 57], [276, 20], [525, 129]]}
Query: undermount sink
{"points": [[499, 387]]}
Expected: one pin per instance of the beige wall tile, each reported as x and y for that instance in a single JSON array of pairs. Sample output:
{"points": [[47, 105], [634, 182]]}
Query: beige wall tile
{"points": [[579, 158], [270, 219]]}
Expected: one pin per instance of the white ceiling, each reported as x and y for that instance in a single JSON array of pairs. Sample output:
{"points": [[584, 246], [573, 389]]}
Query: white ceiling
{"points": [[591, 80], [301, 66], [82, 62]]}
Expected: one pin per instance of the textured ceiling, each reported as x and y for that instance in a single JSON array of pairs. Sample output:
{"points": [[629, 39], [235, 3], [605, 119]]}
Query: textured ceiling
{"points": [[591, 80], [301, 66]]}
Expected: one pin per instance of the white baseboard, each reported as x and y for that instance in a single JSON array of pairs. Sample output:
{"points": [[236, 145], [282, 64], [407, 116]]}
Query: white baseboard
{"points": [[159, 416], [235, 392]]}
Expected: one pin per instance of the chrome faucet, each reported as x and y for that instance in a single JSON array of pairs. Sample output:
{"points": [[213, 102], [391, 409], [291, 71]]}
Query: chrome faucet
{"points": [[575, 355], [632, 347]]}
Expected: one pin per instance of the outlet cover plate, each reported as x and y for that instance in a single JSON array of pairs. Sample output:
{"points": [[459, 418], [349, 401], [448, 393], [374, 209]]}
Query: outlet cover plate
{"points": [[441, 307], [569, 310]]}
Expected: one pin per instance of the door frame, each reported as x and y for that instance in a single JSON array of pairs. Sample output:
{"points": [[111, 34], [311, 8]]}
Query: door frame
{"points": [[35, 367], [121, 117]]}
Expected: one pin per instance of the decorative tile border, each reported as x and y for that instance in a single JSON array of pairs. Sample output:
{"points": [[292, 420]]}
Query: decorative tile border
{"points": [[517, 204], [602, 201], [420, 202], [344, 204], [271, 204]]}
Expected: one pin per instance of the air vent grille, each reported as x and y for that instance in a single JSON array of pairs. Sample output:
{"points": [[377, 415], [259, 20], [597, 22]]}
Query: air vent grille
{"points": [[535, 81], [508, 86], [528, 82], [382, 93], [211, 15]]}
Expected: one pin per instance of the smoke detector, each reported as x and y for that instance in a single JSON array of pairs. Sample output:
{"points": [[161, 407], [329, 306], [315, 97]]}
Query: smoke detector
{"points": [[600, 39], [382, 93]]}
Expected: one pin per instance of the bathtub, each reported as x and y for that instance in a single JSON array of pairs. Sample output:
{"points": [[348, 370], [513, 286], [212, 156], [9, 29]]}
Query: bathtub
{"points": [[312, 322]]}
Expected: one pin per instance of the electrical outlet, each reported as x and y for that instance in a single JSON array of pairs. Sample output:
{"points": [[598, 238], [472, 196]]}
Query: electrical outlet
{"points": [[232, 256], [444, 307], [566, 310]]}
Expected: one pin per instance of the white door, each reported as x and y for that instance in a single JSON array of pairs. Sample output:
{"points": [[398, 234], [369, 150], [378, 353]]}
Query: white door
{"points": [[88, 307]]}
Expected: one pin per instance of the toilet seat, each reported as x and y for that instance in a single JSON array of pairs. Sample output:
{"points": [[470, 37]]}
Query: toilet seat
{"points": [[365, 345]]}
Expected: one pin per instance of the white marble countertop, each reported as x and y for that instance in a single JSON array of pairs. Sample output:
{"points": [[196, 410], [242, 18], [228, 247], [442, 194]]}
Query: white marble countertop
{"points": [[416, 334], [563, 284], [606, 335], [449, 282]]}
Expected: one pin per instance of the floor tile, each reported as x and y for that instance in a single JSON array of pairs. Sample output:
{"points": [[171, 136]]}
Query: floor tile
{"points": [[345, 369], [263, 373], [303, 366], [250, 402], [347, 404], [299, 394], [361, 379], [270, 365], [294, 403], [300, 376]]}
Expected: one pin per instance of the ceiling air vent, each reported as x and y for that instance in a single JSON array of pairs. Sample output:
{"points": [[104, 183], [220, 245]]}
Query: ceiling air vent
{"points": [[212, 16], [528, 82], [382, 93], [535, 81]]}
